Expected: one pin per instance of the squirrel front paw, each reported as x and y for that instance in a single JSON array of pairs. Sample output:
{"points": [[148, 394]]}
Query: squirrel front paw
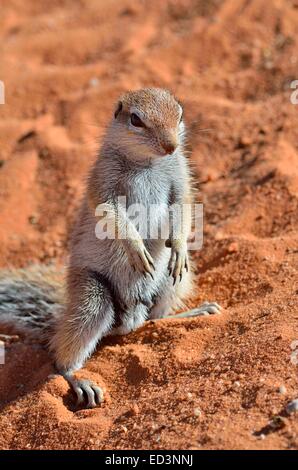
{"points": [[178, 260], [139, 257]]}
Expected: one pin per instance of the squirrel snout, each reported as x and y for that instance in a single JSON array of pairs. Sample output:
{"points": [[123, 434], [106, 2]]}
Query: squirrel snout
{"points": [[169, 147]]}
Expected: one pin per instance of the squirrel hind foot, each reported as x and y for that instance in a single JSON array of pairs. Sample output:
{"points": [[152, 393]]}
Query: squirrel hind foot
{"points": [[207, 308], [89, 395], [87, 392]]}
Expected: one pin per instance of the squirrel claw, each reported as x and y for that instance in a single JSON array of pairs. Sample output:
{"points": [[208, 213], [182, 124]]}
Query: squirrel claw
{"points": [[140, 259], [85, 389]]}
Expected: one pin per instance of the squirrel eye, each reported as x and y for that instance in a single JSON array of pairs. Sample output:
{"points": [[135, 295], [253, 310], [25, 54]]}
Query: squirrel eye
{"points": [[136, 121]]}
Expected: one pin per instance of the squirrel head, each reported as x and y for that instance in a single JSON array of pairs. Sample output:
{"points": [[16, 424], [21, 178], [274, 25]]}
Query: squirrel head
{"points": [[148, 124]]}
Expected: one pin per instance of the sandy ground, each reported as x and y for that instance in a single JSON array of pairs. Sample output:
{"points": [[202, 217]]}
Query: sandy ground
{"points": [[211, 383]]}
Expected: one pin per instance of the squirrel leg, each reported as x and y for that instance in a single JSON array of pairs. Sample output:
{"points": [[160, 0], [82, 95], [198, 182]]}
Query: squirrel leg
{"points": [[162, 306], [131, 320], [87, 318], [167, 299], [207, 308]]}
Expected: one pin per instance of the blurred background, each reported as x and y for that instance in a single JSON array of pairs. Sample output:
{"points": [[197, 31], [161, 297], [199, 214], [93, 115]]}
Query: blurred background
{"points": [[64, 64]]}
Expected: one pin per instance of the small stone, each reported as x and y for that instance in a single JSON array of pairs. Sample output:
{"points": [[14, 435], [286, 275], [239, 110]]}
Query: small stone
{"points": [[292, 407], [294, 345], [32, 220], [135, 409], [189, 395], [294, 358], [233, 247], [237, 383], [53, 376], [261, 437], [219, 235], [94, 82], [282, 390], [124, 429], [197, 412], [245, 141]]}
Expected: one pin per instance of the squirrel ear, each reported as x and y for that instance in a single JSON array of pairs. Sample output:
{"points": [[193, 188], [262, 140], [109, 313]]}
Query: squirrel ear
{"points": [[181, 111], [118, 109]]}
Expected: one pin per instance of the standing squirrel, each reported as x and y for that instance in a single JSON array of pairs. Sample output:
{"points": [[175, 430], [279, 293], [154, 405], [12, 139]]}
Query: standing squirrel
{"points": [[114, 284]]}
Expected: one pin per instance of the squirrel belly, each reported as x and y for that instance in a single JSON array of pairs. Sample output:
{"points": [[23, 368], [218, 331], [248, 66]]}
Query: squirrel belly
{"points": [[150, 186]]}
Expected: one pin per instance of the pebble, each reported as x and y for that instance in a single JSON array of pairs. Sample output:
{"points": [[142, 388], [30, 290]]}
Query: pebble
{"points": [[282, 389], [292, 407], [94, 82], [33, 219], [53, 376], [294, 358], [233, 247], [135, 410], [197, 412]]}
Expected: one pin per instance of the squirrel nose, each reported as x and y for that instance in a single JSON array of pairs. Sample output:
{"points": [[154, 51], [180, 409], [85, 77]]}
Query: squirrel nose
{"points": [[169, 147]]}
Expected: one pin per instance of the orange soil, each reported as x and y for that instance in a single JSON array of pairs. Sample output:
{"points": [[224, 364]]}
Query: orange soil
{"points": [[64, 63]]}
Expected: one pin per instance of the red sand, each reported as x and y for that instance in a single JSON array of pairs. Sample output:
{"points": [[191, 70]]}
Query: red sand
{"points": [[230, 62]]}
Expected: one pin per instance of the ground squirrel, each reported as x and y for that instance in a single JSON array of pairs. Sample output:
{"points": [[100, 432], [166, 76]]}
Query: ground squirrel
{"points": [[115, 284]]}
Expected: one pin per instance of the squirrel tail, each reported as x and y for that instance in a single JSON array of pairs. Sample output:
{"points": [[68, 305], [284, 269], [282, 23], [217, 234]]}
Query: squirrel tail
{"points": [[31, 300]]}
